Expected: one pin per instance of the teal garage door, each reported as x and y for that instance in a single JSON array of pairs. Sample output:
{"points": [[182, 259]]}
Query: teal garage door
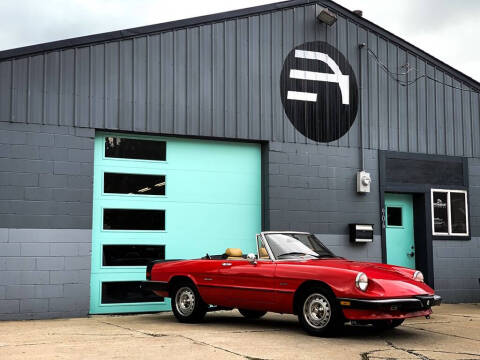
{"points": [[162, 197]]}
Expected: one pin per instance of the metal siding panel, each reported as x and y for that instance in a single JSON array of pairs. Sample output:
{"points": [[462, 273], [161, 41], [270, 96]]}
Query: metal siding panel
{"points": [[180, 82], [467, 122], [352, 55], [153, 83], [440, 111], [67, 86], [342, 45], [112, 84], [312, 33], [402, 105], [140, 98], [412, 104], [449, 117], [126, 86], [266, 90], [206, 79], [231, 79], [373, 94], [20, 90], [36, 89], [431, 129], [98, 84], [5, 90], [254, 119], [331, 38], [167, 83], [276, 68], [457, 118], [218, 81], [193, 81], [287, 43], [383, 119], [298, 39], [474, 100], [82, 87], [242, 78], [421, 108], [393, 126], [363, 91], [52, 88]]}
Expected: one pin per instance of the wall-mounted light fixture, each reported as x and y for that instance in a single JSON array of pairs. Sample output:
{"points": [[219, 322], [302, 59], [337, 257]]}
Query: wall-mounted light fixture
{"points": [[325, 16]]}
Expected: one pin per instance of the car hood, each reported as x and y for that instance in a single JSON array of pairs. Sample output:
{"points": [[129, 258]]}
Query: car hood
{"points": [[384, 279]]}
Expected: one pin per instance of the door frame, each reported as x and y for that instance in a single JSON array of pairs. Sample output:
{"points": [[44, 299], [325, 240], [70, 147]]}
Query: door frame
{"points": [[422, 209]]}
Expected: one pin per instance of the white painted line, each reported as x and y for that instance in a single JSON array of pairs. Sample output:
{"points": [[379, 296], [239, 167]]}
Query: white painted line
{"points": [[303, 96]]}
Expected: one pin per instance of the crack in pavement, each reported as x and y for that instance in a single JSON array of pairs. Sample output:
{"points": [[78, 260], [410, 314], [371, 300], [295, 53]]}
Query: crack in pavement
{"points": [[441, 333], [369, 355], [198, 342]]}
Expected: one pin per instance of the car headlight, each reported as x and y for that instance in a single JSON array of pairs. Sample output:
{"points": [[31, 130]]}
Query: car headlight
{"points": [[361, 281], [418, 276]]}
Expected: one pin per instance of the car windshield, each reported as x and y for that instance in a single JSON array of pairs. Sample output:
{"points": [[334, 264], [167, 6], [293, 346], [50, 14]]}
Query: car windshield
{"points": [[295, 245]]}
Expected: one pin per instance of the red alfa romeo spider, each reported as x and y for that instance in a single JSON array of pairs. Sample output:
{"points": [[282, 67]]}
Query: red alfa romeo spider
{"points": [[293, 272]]}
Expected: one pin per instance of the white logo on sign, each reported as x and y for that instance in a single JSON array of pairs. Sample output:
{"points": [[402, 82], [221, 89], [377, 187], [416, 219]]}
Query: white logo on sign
{"points": [[336, 77]]}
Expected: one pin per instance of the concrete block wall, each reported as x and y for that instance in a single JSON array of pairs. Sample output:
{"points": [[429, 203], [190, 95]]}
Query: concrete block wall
{"points": [[44, 273], [457, 263], [46, 177], [313, 188]]}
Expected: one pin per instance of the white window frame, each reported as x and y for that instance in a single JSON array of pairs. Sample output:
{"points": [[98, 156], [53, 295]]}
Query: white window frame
{"points": [[449, 213]]}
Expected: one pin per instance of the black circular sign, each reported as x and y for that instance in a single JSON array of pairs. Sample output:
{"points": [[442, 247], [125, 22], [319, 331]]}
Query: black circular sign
{"points": [[319, 91]]}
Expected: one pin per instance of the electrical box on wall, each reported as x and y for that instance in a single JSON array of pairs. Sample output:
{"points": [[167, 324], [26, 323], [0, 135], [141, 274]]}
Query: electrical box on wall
{"points": [[361, 233], [363, 182]]}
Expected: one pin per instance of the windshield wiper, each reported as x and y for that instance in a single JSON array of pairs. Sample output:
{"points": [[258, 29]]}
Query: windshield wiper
{"points": [[296, 253]]}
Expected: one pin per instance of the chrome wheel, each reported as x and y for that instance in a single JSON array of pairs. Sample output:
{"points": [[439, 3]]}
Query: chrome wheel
{"points": [[317, 310], [185, 301]]}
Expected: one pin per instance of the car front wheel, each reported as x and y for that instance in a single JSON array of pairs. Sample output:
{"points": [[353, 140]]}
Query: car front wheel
{"points": [[252, 314], [318, 313], [187, 305]]}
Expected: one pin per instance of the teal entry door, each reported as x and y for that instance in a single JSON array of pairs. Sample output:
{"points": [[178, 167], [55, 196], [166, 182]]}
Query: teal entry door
{"points": [[399, 230], [166, 198]]}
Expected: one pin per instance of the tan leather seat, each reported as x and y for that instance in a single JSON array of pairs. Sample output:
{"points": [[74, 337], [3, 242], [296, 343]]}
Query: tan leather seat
{"points": [[234, 253], [263, 253]]}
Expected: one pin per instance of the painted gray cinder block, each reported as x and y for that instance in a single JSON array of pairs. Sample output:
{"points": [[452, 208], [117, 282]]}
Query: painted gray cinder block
{"points": [[33, 278]]}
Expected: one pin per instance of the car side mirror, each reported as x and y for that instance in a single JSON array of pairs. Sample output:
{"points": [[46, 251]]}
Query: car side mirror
{"points": [[251, 259]]}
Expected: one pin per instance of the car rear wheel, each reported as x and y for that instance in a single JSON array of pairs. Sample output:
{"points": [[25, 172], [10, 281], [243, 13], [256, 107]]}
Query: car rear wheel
{"points": [[252, 314], [318, 313], [187, 305], [387, 324]]}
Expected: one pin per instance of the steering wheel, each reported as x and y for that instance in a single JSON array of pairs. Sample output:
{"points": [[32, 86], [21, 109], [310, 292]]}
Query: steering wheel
{"points": [[208, 257]]}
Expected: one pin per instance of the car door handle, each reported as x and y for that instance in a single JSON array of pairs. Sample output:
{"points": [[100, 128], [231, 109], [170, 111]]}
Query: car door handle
{"points": [[226, 264]]}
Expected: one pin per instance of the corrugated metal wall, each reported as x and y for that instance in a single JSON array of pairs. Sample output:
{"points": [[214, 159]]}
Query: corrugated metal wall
{"points": [[222, 80]]}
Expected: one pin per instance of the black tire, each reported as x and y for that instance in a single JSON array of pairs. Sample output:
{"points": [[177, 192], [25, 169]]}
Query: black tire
{"points": [[387, 324], [318, 312], [252, 314], [187, 305]]}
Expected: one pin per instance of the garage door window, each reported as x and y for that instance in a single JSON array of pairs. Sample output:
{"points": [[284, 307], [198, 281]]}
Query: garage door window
{"points": [[118, 292], [133, 184], [126, 148], [133, 219], [132, 255]]}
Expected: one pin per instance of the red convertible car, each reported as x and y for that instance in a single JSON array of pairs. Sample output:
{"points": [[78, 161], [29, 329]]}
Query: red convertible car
{"points": [[293, 272]]}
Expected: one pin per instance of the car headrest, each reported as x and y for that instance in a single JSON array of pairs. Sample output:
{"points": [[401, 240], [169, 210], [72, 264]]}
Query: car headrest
{"points": [[263, 253], [234, 252]]}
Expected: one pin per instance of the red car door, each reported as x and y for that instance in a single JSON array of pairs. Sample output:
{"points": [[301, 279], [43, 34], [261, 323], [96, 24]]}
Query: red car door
{"points": [[247, 285]]}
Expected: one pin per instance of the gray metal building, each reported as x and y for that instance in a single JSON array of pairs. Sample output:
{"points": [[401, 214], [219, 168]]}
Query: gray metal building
{"points": [[264, 85]]}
